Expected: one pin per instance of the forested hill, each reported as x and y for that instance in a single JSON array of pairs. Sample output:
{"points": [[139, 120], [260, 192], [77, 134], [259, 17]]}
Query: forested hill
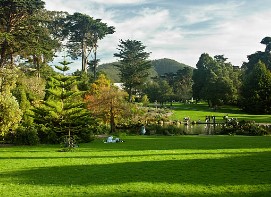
{"points": [[159, 67], [162, 66]]}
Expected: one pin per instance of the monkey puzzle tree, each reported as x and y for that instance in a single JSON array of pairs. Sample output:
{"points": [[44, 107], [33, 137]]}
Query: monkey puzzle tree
{"points": [[134, 65], [63, 111]]}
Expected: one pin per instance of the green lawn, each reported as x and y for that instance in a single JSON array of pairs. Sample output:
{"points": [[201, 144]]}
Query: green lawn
{"points": [[200, 111], [141, 166]]}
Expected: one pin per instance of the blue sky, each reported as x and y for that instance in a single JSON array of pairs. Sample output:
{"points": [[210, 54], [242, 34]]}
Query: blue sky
{"points": [[179, 29]]}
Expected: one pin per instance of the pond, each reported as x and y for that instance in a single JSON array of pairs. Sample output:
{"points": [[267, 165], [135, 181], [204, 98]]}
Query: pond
{"points": [[203, 129]]}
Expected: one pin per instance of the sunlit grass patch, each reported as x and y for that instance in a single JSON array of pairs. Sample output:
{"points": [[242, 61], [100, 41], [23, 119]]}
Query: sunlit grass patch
{"points": [[201, 110], [142, 166]]}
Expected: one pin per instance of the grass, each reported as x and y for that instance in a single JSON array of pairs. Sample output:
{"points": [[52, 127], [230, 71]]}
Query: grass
{"points": [[141, 166], [200, 111]]}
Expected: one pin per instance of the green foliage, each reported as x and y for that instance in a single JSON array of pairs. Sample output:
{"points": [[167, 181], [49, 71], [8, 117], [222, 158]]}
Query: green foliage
{"points": [[10, 113], [159, 67], [255, 58], [182, 84], [24, 102], [256, 87], [83, 33], [15, 26], [46, 134], [63, 111], [26, 136], [158, 91], [165, 65], [256, 90], [145, 100], [156, 129], [83, 81], [110, 71], [134, 66], [215, 80], [8, 78], [86, 136], [249, 128]]}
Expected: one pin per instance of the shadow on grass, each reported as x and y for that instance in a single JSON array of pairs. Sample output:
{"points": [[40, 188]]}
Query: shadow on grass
{"points": [[230, 154], [139, 143], [189, 142], [239, 170]]}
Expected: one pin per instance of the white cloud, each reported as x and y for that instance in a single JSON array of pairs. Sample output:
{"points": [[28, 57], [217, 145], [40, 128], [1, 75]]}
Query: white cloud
{"points": [[117, 1], [154, 28], [238, 38], [176, 30]]}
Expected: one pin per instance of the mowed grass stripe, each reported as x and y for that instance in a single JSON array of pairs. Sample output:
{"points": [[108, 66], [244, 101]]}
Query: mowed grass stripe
{"points": [[142, 166]]}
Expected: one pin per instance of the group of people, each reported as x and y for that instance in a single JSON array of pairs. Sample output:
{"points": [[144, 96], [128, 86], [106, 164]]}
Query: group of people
{"points": [[208, 119], [110, 139]]}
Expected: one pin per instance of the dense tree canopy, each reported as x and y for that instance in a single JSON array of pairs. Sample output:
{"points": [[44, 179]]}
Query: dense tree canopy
{"points": [[214, 80], [15, 26], [52, 104], [134, 65], [63, 111], [256, 90], [158, 91], [183, 84], [256, 86], [83, 33], [106, 102]]}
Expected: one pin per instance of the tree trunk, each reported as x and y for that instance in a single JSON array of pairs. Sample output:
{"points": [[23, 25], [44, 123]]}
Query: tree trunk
{"points": [[36, 63], [209, 103], [84, 57], [95, 63], [130, 93], [3, 53], [112, 120]]}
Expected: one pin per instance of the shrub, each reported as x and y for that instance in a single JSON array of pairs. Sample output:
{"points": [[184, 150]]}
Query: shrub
{"points": [[164, 130], [26, 136], [46, 134], [86, 136], [8, 138], [244, 128], [250, 128]]}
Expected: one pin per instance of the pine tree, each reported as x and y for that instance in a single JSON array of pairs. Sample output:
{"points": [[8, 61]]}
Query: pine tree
{"points": [[63, 110]]}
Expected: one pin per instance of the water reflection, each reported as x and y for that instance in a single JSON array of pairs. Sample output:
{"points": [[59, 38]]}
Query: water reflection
{"points": [[204, 129]]}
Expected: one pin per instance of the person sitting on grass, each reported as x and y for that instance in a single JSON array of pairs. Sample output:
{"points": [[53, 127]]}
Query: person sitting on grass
{"points": [[110, 139]]}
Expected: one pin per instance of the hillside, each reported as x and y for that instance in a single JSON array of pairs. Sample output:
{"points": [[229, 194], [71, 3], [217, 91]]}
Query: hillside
{"points": [[162, 66], [110, 70], [159, 67]]}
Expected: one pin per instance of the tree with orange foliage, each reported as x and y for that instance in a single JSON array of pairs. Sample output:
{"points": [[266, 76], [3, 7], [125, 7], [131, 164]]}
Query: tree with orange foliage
{"points": [[106, 101]]}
